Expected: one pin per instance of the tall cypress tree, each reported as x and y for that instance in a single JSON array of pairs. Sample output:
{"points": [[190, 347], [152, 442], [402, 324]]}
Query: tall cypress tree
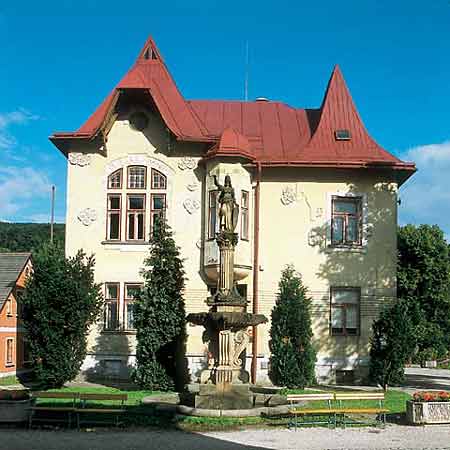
{"points": [[293, 357], [159, 313]]}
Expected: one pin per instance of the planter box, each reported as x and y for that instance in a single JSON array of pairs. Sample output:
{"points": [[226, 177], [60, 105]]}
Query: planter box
{"points": [[15, 410], [420, 413]]}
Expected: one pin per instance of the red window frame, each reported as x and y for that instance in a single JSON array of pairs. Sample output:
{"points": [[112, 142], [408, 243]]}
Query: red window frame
{"points": [[157, 212], [136, 212], [129, 168], [126, 302], [108, 217], [345, 218], [157, 173], [109, 301], [344, 307], [111, 176]]}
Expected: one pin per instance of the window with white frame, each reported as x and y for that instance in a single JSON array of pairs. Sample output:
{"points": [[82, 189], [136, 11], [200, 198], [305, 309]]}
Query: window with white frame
{"points": [[9, 307], [244, 215], [111, 316], [132, 211], [131, 290], [344, 311], [9, 352], [213, 220], [346, 221]]}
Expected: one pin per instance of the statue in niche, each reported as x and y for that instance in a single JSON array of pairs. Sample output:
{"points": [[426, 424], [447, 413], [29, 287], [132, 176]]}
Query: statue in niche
{"points": [[228, 208]]}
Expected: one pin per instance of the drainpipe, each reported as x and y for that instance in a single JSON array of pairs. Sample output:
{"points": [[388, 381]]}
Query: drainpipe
{"points": [[256, 271]]}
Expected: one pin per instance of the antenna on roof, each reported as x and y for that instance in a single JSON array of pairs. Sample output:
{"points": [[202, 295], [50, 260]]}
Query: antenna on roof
{"points": [[246, 72]]}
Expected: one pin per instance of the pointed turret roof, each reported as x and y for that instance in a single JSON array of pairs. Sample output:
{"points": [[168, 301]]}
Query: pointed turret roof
{"points": [[266, 132], [337, 114]]}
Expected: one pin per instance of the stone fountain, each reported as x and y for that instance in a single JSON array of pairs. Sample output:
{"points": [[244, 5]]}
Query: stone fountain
{"points": [[225, 383]]}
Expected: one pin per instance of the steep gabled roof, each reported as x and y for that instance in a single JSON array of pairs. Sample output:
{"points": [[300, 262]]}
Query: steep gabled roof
{"points": [[11, 266], [264, 132]]}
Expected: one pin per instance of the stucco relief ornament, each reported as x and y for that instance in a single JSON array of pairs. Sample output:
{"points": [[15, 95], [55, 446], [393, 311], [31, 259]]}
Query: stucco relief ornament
{"points": [[288, 195], [192, 187], [187, 162], [79, 159], [191, 205], [87, 216]]}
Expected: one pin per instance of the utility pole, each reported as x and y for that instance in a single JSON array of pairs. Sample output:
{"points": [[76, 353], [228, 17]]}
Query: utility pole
{"points": [[53, 214], [246, 72]]}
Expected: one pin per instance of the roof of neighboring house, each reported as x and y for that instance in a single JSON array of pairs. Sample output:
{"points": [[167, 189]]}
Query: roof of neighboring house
{"points": [[11, 266], [270, 133]]}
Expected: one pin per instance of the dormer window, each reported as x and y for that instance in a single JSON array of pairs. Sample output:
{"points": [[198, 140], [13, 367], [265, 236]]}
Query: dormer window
{"points": [[342, 135]]}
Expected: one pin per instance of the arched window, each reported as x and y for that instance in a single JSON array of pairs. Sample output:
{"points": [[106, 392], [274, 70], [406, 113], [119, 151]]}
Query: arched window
{"points": [[158, 180], [137, 177], [115, 180], [134, 204]]}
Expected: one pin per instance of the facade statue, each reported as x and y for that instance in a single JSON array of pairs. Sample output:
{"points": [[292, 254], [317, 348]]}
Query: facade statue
{"points": [[228, 208]]}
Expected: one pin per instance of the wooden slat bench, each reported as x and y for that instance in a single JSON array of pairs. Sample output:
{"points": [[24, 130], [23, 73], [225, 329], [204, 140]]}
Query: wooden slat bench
{"points": [[86, 408], [327, 412], [379, 411], [62, 413]]}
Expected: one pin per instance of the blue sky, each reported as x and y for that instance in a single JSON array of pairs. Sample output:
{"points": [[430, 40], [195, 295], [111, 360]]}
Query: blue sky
{"points": [[59, 60]]}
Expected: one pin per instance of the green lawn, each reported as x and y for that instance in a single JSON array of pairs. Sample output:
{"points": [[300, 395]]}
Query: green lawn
{"points": [[9, 381], [395, 401], [146, 415]]}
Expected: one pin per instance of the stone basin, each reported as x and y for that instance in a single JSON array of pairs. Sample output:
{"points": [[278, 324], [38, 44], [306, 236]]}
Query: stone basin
{"points": [[222, 320]]}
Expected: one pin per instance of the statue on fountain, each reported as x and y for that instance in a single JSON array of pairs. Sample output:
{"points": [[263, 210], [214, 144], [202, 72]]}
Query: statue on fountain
{"points": [[227, 321], [229, 209]]}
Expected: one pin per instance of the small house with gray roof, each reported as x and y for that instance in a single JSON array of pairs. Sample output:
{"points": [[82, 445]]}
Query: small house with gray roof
{"points": [[14, 270]]}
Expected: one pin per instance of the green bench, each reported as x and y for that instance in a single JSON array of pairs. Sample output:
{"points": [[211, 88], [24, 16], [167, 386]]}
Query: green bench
{"points": [[82, 406], [53, 412], [336, 412]]}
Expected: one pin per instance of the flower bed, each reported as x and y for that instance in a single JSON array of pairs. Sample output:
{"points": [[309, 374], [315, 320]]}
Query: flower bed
{"points": [[14, 405], [428, 408]]}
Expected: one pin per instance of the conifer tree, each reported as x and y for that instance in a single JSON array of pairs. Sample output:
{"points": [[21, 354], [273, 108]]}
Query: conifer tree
{"points": [[392, 344], [293, 357], [159, 313]]}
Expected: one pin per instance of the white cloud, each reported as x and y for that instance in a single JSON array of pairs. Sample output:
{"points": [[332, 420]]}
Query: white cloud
{"points": [[19, 187], [19, 117], [426, 196]]}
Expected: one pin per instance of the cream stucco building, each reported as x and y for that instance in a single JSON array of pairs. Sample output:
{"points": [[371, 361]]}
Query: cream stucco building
{"points": [[315, 190]]}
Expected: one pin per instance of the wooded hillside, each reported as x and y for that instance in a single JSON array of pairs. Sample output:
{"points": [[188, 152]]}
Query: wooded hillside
{"points": [[25, 237]]}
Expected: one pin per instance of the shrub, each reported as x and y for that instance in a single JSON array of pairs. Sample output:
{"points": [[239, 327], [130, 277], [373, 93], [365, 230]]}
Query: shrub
{"points": [[392, 344], [293, 357], [60, 303], [159, 313]]}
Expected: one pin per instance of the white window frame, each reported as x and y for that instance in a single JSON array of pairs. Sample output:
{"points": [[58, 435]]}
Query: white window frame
{"points": [[11, 362]]}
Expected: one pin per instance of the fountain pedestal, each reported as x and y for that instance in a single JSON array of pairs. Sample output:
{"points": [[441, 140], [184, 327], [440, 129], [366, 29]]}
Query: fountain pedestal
{"points": [[225, 384]]}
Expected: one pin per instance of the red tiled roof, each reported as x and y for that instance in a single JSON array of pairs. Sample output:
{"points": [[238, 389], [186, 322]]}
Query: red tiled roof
{"points": [[270, 133]]}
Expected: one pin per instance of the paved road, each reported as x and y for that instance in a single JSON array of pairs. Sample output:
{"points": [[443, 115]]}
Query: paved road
{"points": [[393, 437], [416, 379]]}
